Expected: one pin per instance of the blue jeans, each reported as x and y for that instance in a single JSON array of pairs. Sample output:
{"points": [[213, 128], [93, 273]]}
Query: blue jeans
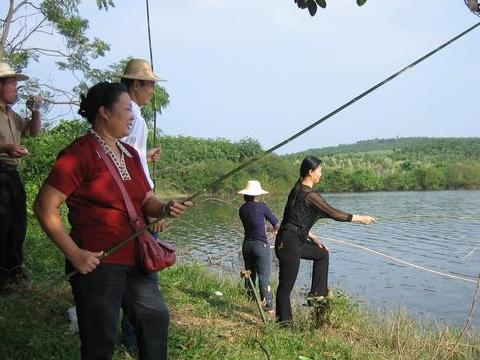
{"points": [[256, 255], [99, 296]]}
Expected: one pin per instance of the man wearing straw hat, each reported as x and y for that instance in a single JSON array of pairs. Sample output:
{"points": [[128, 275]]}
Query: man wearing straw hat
{"points": [[139, 79], [13, 216]]}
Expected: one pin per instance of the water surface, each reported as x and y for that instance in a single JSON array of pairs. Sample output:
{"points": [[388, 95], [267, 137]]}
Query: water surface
{"points": [[438, 230]]}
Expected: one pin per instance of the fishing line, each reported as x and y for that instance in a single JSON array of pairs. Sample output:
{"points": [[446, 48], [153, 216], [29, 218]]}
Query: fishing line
{"points": [[419, 267]]}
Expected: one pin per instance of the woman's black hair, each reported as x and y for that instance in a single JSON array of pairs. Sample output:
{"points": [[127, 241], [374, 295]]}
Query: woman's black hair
{"points": [[101, 94], [309, 163], [248, 198]]}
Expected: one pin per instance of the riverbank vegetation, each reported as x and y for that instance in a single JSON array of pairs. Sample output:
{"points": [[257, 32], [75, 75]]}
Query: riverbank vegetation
{"points": [[189, 164]]}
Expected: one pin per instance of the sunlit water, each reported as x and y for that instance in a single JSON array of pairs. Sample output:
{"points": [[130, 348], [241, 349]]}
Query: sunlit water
{"points": [[437, 230]]}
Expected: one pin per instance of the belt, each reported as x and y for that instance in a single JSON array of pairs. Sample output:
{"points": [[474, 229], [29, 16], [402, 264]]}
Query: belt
{"points": [[8, 167]]}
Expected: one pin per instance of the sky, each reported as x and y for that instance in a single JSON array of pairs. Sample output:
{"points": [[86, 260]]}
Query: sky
{"points": [[266, 69]]}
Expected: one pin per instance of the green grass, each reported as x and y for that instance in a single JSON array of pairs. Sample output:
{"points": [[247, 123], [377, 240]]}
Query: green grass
{"points": [[33, 324]]}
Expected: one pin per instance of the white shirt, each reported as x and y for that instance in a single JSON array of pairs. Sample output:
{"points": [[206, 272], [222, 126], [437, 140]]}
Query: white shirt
{"points": [[138, 138]]}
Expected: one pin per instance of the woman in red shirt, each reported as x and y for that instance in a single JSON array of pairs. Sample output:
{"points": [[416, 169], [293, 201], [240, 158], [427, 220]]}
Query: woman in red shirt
{"points": [[99, 219]]}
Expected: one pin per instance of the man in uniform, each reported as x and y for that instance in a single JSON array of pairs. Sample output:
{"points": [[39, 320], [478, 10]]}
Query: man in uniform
{"points": [[13, 215]]}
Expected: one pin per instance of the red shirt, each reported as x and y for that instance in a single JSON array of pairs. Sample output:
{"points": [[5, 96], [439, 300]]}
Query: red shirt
{"points": [[97, 211]]}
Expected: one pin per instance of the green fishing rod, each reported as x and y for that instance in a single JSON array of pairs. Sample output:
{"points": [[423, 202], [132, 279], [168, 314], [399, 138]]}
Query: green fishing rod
{"points": [[247, 163]]}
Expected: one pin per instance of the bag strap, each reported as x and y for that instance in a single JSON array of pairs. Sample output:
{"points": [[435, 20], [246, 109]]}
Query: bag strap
{"points": [[132, 214]]}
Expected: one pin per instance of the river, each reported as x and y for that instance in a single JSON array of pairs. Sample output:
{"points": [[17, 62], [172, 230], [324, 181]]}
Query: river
{"points": [[437, 230]]}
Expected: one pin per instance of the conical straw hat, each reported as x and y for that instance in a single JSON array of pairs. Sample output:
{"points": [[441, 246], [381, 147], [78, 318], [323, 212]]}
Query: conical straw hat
{"points": [[253, 189]]}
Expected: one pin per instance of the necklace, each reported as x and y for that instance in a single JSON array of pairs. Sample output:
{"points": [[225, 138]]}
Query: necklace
{"points": [[119, 163]]}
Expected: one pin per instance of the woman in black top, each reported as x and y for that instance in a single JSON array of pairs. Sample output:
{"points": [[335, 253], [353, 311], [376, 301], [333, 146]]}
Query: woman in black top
{"points": [[304, 207]]}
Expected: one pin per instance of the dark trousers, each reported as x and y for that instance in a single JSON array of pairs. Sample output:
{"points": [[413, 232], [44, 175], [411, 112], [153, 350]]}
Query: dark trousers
{"points": [[256, 255], [290, 248], [13, 223], [128, 336], [98, 297]]}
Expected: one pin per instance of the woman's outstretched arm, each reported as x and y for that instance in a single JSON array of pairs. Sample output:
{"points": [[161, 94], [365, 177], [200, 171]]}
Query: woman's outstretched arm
{"points": [[317, 201]]}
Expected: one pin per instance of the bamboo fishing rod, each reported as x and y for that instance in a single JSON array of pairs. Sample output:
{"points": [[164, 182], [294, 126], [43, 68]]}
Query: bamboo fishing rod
{"points": [[222, 178], [154, 99]]}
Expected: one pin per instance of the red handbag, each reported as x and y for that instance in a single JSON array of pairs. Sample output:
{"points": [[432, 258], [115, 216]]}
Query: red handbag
{"points": [[152, 254]]}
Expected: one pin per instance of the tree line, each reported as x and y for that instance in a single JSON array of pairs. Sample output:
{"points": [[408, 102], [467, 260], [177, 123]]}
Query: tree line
{"points": [[188, 164]]}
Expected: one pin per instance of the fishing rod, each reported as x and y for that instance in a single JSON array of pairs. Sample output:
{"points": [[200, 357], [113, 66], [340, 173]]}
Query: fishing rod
{"points": [[189, 199], [154, 99]]}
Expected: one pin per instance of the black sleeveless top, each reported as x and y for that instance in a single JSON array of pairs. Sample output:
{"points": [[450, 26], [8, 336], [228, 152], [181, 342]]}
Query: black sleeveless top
{"points": [[304, 207]]}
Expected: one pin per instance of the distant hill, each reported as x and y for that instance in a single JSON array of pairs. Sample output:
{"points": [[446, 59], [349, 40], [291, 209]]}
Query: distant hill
{"points": [[462, 146], [416, 163]]}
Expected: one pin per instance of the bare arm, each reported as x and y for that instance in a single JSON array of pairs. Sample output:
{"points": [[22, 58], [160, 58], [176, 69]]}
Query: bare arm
{"points": [[34, 125], [46, 207]]}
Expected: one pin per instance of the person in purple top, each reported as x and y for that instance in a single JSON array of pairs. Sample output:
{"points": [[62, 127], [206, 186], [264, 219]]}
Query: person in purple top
{"points": [[255, 248]]}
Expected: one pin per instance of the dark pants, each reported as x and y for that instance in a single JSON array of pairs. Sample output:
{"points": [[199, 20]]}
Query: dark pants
{"points": [[98, 297], [128, 337], [256, 255], [13, 222], [290, 248]]}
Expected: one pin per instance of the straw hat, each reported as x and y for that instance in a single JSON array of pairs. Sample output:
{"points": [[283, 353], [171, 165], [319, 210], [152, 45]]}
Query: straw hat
{"points": [[7, 72], [253, 189], [139, 69]]}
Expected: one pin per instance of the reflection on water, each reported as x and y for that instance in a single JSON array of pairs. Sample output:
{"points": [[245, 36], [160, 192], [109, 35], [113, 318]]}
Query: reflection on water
{"points": [[437, 230]]}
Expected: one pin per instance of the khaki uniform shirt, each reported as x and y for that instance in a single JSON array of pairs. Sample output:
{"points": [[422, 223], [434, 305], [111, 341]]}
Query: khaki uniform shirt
{"points": [[12, 128]]}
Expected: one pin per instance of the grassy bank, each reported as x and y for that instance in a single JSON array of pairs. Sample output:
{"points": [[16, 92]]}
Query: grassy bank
{"points": [[33, 325]]}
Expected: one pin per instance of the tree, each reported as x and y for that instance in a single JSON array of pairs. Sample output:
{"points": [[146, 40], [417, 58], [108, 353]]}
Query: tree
{"points": [[311, 5], [473, 6], [29, 22]]}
